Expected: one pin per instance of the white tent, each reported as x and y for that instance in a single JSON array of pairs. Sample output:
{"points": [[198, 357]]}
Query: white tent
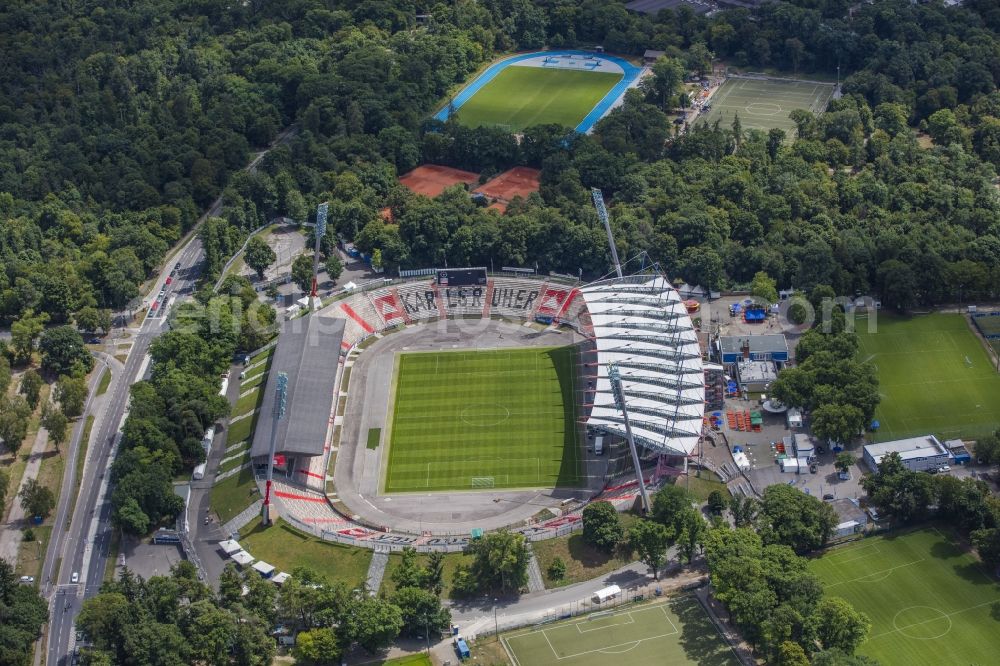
{"points": [[794, 417], [230, 546], [263, 568], [280, 578], [242, 558], [741, 460]]}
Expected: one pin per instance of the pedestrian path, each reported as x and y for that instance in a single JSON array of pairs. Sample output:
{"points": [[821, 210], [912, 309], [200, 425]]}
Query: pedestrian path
{"points": [[535, 582], [376, 570], [10, 535], [244, 518]]}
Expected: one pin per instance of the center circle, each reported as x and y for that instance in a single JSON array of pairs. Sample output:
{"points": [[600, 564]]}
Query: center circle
{"points": [[763, 108], [922, 623], [485, 415]]}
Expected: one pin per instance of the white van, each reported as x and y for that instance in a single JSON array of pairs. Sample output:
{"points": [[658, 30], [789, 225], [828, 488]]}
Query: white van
{"points": [[599, 445], [199, 472]]}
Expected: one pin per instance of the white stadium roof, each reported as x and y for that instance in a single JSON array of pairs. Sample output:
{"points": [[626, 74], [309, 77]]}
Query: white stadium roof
{"points": [[642, 328]]}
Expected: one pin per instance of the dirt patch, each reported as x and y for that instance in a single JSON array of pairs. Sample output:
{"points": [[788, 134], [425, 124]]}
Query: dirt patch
{"points": [[518, 182], [431, 180]]}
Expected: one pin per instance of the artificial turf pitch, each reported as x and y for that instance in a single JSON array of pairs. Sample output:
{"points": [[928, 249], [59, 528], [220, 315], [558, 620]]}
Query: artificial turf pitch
{"points": [[676, 631], [475, 420], [519, 97], [929, 601], [934, 375], [765, 104]]}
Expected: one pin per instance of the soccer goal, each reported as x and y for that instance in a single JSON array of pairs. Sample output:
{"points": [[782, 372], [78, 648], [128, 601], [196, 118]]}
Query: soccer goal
{"points": [[482, 482]]}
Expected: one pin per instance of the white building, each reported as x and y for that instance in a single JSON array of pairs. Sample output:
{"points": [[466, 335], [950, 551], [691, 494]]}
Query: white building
{"points": [[918, 453]]}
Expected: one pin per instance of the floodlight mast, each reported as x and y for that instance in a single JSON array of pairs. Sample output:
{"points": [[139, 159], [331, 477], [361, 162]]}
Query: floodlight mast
{"points": [[619, 396], [280, 397], [320, 230], [602, 215]]}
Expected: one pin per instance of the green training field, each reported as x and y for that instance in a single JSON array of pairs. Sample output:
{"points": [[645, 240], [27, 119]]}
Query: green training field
{"points": [[675, 632], [466, 420], [765, 104], [934, 375], [520, 97], [929, 601]]}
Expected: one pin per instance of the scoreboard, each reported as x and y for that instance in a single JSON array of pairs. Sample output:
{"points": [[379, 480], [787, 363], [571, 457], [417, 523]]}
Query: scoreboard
{"points": [[461, 277]]}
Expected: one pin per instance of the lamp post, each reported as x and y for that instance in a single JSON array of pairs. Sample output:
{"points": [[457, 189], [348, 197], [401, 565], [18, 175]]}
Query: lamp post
{"points": [[496, 625], [280, 395]]}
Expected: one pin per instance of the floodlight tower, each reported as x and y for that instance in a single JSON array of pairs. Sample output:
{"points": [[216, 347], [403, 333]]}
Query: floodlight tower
{"points": [[280, 396], [619, 395], [602, 215], [320, 230]]}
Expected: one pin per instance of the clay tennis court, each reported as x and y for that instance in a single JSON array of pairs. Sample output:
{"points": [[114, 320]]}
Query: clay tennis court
{"points": [[518, 182], [431, 180]]}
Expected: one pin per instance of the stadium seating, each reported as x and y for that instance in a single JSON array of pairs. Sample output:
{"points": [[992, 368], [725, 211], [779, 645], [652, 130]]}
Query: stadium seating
{"points": [[515, 297], [463, 301], [356, 327], [418, 300], [388, 306], [553, 300]]}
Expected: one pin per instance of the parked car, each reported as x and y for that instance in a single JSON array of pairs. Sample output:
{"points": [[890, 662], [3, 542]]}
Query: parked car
{"points": [[27, 579], [944, 468], [828, 497]]}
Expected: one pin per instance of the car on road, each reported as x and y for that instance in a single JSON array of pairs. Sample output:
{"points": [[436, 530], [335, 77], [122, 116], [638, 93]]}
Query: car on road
{"points": [[75, 578], [169, 280], [828, 497], [944, 468], [27, 579]]}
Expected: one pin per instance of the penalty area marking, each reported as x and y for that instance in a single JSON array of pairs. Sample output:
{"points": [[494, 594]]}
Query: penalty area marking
{"points": [[867, 578]]}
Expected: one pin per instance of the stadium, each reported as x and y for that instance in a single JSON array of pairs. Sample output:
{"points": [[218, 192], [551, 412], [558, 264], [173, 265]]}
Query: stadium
{"points": [[421, 410]]}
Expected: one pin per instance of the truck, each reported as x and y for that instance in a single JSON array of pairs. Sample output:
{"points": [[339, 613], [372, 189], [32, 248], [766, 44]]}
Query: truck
{"points": [[199, 472]]}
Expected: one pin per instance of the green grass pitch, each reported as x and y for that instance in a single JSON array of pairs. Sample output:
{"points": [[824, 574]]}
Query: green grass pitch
{"points": [[929, 601], [470, 420], [520, 97], [673, 632], [765, 104], [935, 377]]}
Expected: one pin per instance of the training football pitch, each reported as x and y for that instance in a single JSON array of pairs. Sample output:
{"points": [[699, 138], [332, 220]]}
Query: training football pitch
{"points": [[929, 601], [675, 631], [468, 420], [765, 103], [520, 97], [934, 375]]}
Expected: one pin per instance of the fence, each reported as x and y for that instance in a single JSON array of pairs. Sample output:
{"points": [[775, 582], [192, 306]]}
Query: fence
{"points": [[988, 324]]}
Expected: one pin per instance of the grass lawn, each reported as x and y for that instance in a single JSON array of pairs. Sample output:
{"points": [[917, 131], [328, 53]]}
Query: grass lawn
{"points": [[102, 387], [451, 562], [484, 419], [930, 602], [673, 631], [765, 104], [232, 495], [287, 548], [520, 97], [247, 402], [701, 486], [410, 660], [583, 561], [241, 430], [935, 377], [31, 555]]}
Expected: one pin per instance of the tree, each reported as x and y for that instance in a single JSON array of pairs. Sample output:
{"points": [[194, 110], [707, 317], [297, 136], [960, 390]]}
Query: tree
{"points": [[92, 319], [837, 423], [31, 387], [670, 505], [14, 413], [334, 267], [63, 352], [897, 284], [699, 58], [744, 510], [317, 646], [24, 332], [790, 517], [690, 535], [650, 539], [835, 657], [373, 623], [764, 287], [4, 482], [501, 561], [898, 492], [5, 375], [421, 611], [987, 543], [259, 255], [791, 653], [667, 75], [23, 612], [557, 569], [988, 448], [837, 624], [71, 393], [408, 573], [844, 461], [302, 272], [55, 422], [602, 526], [36, 499], [230, 586], [434, 572], [716, 502]]}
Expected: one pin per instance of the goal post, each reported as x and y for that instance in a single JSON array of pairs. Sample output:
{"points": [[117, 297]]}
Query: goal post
{"points": [[483, 482]]}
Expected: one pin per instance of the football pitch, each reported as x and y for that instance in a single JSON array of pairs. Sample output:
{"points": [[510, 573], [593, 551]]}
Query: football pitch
{"points": [[934, 375], [765, 103], [520, 97], [675, 631], [472, 420], [929, 601]]}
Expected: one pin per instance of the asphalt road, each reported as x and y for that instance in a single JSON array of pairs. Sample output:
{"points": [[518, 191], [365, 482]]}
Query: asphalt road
{"points": [[82, 549]]}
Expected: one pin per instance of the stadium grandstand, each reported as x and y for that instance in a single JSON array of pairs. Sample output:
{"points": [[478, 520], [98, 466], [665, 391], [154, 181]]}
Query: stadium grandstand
{"points": [[642, 331]]}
